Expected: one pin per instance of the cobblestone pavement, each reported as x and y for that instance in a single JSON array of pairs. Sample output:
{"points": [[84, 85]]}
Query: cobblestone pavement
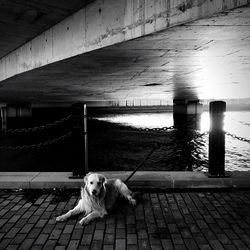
{"points": [[188, 220]]}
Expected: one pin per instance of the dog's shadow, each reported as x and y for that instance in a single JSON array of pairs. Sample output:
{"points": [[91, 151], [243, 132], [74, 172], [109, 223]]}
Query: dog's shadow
{"points": [[122, 204]]}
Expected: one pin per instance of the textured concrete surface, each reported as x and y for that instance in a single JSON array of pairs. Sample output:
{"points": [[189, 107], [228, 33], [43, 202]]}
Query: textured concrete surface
{"points": [[103, 23], [23, 20], [189, 61], [142, 179], [188, 220]]}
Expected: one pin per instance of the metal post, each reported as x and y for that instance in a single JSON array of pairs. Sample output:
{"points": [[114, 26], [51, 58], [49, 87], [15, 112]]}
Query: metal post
{"points": [[85, 138], [80, 139], [217, 139]]}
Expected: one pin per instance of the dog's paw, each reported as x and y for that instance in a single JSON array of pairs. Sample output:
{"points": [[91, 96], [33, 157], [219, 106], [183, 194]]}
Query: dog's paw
{"points": [[133, 202], [60, 218], [84, 221]]}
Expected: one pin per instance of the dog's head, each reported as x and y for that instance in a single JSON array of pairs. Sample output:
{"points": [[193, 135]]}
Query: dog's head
{"points": [[95, 184]]}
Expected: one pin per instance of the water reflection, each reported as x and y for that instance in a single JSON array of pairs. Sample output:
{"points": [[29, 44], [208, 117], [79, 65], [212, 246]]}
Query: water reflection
{"points": [[188, 144]]}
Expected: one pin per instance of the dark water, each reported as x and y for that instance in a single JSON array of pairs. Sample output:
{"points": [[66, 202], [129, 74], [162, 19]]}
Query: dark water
{"points": [[238, 123]]}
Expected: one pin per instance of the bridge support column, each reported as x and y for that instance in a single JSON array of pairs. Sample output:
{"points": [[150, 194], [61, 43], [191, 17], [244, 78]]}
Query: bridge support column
{"points": [[217, 139], [3, 117], [186, 113], [16, 116], [79, 138]]}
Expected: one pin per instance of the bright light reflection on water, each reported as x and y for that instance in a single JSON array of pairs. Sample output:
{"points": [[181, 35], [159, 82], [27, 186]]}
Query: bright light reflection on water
{"points": [[237, 152], [141, 120]]}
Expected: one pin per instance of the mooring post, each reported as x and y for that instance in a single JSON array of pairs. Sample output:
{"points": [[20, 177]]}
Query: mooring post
{"points": [[80, 139], [217, 139]]}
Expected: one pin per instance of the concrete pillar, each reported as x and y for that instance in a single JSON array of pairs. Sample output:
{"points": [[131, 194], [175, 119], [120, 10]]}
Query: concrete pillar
{"points": [[217, 139], [187, 113], [17, 116], [3, 117], [80, 140]]}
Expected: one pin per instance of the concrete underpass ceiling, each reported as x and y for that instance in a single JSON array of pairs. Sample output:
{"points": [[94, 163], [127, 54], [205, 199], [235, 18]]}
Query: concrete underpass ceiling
{"points": [[21, 20], [208, 58]]}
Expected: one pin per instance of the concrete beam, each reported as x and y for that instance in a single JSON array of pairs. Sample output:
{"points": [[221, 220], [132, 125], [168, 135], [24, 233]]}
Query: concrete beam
{"points": [[103, 23]]}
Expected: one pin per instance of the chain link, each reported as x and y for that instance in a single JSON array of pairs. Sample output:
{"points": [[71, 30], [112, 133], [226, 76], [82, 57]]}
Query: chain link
{"points": [[238, 137], [162, 129], [38, 145], [42, 127], [228, 134]]}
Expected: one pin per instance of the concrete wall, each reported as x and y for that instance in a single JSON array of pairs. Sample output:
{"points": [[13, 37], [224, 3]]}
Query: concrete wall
{"points": [[103, 23]]}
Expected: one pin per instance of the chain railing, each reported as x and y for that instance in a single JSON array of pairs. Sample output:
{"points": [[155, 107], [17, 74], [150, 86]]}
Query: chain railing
{"points": [[162, 129], [238, 137], [198, 156], [37, 145], [196, 140], [38, 128], [35, 129]]}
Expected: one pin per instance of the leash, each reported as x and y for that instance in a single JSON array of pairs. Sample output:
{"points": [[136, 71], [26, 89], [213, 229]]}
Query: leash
{"points": [[156, 146]]}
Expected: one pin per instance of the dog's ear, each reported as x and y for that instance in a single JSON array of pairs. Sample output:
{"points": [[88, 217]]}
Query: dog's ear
{"points": [[85, 180], [103, 179], [103, 188]]}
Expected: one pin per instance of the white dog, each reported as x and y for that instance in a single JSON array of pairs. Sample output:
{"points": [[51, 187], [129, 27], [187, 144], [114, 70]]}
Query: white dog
{"points": [[97, 196]]}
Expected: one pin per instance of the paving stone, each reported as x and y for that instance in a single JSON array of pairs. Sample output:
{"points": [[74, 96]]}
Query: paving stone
{"points": [[224, 239], [55, 234], [18, 239], [26, 228], [64, 239], [21, 223], [80, 247], [42, 238], [98, 235], [34, 233], [177, 239], [191, 220], [50, 244], [180, 247], [120, 244], [230, 247], [109, 239], [96, 245], [156, 247], [41, 223], [215, 244], [108, 247], [68, 229], [86, 239], [73, 244], [60, 248], [77, 234], [191, 244], [120, 233], [12, 232], [132, 247], [12, 247], [240, 245], [27, 243], [14, 218], [143, 244], [131, 239], [131, 228], [142, 234], [100, 224], [4, 243], [6, 227]]}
